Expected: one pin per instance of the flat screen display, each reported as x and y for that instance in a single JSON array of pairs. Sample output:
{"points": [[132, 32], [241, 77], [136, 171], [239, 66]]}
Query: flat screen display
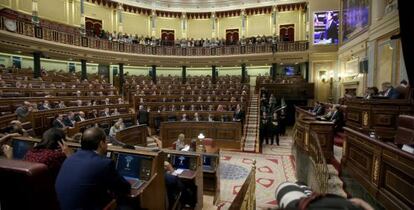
{"points": [[325, 27], [355, 17], [20, 148], [289, 70], [128, 165], [180, 161]]}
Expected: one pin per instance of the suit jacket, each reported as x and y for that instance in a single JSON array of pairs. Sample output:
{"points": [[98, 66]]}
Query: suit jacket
{"points": [[393, 94], [68, 122], [338, 118], [84, 180], [58, 124], [143, 117]]}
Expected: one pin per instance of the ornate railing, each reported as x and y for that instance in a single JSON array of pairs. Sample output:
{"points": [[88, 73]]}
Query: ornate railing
{"points": [[246, 198], [319, 163], [29, 29]]}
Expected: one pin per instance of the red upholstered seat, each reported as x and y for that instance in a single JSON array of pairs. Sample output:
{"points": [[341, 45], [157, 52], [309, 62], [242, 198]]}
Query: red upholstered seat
{"points": [[26, 185]]}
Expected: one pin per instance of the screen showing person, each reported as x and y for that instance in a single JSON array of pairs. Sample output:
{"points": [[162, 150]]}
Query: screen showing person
{"points": [[20, 148], [326, 27], [181, 162], [289, 70], [207, 162], [128, 165]]}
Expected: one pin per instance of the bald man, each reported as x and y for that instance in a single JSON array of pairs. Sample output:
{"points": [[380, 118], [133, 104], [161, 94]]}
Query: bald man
{"points": [[87, 176]]}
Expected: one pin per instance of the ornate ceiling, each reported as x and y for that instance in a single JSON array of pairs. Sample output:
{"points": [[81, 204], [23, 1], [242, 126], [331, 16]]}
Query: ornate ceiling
{"points": [[202, 5]]}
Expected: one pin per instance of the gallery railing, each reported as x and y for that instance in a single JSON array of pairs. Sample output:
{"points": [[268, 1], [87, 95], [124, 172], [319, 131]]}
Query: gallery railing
{"points": [[27, 28]]}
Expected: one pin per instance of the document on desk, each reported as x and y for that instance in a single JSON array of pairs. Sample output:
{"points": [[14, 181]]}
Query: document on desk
{"points": [[178, 171]]}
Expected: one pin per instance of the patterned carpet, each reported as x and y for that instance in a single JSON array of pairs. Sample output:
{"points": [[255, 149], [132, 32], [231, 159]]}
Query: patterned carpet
{"points": [[250, 134], [274, 167]]}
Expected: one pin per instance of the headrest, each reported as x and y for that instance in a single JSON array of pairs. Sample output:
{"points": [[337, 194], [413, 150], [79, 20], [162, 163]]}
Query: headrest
{"points": [[22, 167]]}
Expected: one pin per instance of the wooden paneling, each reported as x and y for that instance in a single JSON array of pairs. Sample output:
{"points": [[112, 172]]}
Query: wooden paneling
{"points": [[385, 171], [224, 134], [376, 115], [134, 135]]}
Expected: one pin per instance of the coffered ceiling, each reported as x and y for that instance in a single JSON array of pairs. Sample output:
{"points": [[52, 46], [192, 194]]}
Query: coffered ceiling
{"points": [[202, 5]]}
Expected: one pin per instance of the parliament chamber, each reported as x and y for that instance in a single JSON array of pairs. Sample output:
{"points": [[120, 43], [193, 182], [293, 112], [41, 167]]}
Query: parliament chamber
{"points": [[219, 104]]}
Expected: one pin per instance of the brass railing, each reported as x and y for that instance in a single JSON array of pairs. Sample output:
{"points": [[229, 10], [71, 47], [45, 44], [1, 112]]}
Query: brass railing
{"points": [[29, 29], [246, 198], [319, 163]]}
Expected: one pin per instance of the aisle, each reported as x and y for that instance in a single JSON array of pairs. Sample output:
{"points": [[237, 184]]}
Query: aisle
{"points": [[250, 139], [275, 166]]}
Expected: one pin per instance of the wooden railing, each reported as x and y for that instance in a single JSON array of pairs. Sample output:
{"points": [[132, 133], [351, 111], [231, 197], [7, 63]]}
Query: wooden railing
{"points": [[319, 164], [29, 29], [246, 198]]}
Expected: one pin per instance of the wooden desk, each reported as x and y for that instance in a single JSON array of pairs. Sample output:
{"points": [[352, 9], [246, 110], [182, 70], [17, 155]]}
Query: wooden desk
{"points": [[385, 171], [203, 115], [91, 122], [324, 130], [42, 120], [224, 134], [134, 135], [376, 115], [193, 175], [152, 193]]}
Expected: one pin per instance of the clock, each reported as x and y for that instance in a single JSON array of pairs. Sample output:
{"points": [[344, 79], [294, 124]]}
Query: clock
{"points": [[10, 24]]}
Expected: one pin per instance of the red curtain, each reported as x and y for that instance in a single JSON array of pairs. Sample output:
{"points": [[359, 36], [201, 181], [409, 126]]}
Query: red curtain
{"points": [[232, 36], [287, 32], [167, 37], [93, 27]]}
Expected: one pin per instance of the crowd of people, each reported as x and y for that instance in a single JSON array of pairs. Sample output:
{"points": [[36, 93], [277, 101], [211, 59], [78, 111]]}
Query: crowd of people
{"points": [[388, 91], [272, 119], [186, 42]]}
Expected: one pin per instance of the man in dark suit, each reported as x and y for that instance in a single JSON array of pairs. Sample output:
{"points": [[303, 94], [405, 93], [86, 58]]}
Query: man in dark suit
{"points": [[87, 176], [69, 120], [58, 122], [337, 118], [331, 28], [142, 115], [389, 91]]}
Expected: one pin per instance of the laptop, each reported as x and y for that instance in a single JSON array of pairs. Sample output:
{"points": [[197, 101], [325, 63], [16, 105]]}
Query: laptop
{"points": [[129, 167], [20, 148], [181, 162], [207, 163]]}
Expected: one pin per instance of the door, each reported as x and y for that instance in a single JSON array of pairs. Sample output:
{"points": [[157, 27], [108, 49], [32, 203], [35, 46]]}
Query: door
{"points": [[167, 37], [287, 32]]}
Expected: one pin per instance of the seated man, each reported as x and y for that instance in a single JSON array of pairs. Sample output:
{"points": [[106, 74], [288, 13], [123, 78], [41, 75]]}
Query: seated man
{"points": [[173, 184], [388, 91], [87, 176], [337, 118]]}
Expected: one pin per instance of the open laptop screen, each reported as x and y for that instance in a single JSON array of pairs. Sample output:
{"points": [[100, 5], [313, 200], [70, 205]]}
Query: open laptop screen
{"points": [[128, 165], [181, 161], [20, 148]]}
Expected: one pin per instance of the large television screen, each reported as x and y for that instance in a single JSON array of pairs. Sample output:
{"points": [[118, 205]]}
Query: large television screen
{"points": [[325, 27], [355, 17]]}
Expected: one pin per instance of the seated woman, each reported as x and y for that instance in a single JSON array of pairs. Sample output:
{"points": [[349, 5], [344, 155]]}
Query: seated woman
{"points": [[220, 108], [179, 144], [51, 151]]}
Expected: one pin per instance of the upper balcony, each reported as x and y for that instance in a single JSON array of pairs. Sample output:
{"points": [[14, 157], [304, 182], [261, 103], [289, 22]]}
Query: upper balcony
{"points": [[55, 39]]}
